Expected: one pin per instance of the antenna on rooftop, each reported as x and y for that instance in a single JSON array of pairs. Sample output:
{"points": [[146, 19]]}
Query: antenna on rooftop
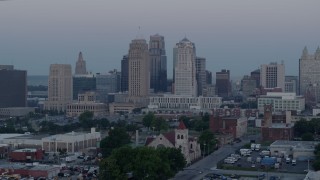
{"points": [[139, 34]]}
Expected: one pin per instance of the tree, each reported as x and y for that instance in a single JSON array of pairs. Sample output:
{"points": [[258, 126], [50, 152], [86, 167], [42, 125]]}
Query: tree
{"points": [[301, 127], [85, 119], [307, 137], [207, 138], [143, 163], [160, 124], [117, 137], [148, 119]]}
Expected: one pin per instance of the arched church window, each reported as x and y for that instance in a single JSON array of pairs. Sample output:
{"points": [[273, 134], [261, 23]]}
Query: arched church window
{"points": [[178, 136], [181, 136]]}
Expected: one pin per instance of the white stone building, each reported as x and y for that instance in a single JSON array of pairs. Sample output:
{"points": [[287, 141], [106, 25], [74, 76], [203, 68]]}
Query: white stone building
{"points": [[272, 75], [282, 102], [179, 138]]}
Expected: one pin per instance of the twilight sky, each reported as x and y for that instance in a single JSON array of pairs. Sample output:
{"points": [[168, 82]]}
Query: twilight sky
{"points": [[238, 35]]}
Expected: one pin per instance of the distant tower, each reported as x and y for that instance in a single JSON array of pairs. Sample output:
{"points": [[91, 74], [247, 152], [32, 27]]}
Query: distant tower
{"points": [[158, 63], [139, 68], [309, 73], [59, 87], [267, 118], [201, 75], [124, 73], [223, 84], [272, 75], [80, 65], [185, 82]]}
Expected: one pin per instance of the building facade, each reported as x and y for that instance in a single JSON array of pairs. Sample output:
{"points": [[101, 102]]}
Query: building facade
{"points": [[272, 75], [87, 102], [59, 87], [223, 84], [124, 74], [179, 138], [107, 83], [82, 83], [185, 82], [158, 63], [139, 68], [80, 65], [201, 75], [309, 73], [13, 83], [282, 102], [291, 84], [248, 86]]}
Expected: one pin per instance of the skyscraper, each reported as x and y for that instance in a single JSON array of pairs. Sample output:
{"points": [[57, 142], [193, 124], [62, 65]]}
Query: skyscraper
{"points": [[272, 75], [158, 63], [223, 84], [107, 83], [59, 87], [83, 83], [80, 65], [201, 75], [185, 82], [139, 68], [13, 83], [124, 73], [309, 72]]}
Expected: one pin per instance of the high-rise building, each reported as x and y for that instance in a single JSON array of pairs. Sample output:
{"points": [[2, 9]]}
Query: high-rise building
{"points": [[256, 75], [124, 74], [208, 77], [309, 72], [107, 83], [13, 83], [59, 87], [291, 84], [248, 86], [158, 63], [139, 68], [201, 75], [223, 84], [83, 83], [80, 65], [272, 75], [185, 82]]}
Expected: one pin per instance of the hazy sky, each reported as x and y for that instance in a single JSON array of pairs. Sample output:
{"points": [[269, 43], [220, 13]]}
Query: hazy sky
{"points": [[238, 35]]}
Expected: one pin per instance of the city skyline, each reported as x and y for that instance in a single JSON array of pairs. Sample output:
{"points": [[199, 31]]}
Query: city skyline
{"points": [[34, 35]]}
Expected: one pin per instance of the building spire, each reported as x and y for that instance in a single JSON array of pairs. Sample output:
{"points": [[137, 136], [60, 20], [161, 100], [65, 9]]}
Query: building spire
{"points": [[80, 65], [80, 58], [304, 53]]}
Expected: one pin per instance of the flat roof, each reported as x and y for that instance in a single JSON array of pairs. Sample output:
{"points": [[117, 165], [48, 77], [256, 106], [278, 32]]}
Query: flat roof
{"points": [[5, 136], [37, 167], [296, 144], [29, 136]]}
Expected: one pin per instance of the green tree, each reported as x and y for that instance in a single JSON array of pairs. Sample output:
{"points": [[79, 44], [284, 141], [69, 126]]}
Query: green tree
{"points": [[85, 119], [307, 137], [143, 163], [301, 127], [207, 141], [148, 119], [160, 124], [117, 137]]}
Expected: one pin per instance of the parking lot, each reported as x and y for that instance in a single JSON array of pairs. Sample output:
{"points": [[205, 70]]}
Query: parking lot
{"points": [[249, 162]]}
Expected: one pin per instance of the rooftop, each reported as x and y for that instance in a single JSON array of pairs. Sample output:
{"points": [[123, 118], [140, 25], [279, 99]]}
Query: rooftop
{"points": [[296, 144]]}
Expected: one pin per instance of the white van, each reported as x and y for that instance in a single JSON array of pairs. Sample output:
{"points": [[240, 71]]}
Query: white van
{"points": [[229, 161], [294, 162], [265, 153], [288, 160]]}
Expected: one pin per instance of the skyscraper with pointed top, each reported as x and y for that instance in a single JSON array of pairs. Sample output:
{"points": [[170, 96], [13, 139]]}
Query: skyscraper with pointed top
{"points": [[158, 63], [184, 58], [309, 73], [80, 65]]}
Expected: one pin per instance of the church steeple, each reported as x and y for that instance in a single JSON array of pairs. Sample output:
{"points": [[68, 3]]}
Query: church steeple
{"points": [[80, 65]]}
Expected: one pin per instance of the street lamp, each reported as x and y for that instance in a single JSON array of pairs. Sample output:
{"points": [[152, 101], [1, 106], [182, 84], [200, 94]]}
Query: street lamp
{"points": [[204, 149]]}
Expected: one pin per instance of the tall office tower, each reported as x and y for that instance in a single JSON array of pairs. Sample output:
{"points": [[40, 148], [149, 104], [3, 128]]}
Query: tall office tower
{"points": [[256, 75], [201, 75], [83, 83], [309, 72], [272, 75], [139, 68], [291, 84], [80, 65], [248, 86], [185, 82], [208, 77], [13, 83], [59, 87], [124, 73], [223, 84], [158, 63], [107, 83]]}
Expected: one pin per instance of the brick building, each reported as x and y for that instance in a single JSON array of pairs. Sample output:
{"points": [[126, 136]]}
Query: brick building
{"points": [[26, 155], [236, 126]]}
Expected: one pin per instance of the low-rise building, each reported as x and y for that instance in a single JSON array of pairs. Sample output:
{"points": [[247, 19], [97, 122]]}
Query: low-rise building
{"points": [[87, 102], [71, 142], [282, 102], [32, 170], [300, 150], [4, 150], [26, 155], [15, 112], [237, 126], [179, 138]]}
